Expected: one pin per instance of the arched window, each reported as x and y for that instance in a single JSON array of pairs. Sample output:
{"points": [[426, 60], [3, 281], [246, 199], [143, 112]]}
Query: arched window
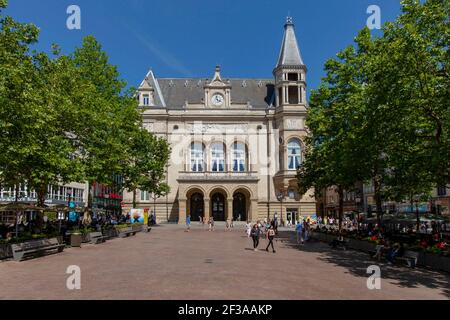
{"points": [[197, 161], [217, 157], [294, 154], [239, 157]]}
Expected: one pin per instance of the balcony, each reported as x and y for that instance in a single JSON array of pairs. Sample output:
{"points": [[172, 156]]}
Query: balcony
{"points": [[249, 176]]}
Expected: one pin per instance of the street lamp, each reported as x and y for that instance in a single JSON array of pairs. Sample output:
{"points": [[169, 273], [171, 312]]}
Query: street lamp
{"points": [[280, 197], [416, 201]]}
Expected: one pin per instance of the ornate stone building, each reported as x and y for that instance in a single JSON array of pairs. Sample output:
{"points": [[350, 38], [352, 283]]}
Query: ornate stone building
{"points": [[236, 143]]}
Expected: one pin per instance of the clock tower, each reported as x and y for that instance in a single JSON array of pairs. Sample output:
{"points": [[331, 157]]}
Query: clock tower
{"points": [[290, 111], [217, 92]]}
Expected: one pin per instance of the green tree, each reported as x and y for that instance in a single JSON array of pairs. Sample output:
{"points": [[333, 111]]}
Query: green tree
{"points": [[147, 164]]}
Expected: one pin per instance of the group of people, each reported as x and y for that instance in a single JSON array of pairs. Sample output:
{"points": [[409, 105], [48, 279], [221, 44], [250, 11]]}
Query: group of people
{"points": [[303, 231], [258, 230], [390, 252], [203, 222]]}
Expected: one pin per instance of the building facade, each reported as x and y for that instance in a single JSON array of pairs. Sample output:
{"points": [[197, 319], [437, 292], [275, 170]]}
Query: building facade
{"points": [[56, 194], [236, 143]]}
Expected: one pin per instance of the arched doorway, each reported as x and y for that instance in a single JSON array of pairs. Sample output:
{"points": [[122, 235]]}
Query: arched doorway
{"points": [[218, 206], [197, 206], [239, 207]]}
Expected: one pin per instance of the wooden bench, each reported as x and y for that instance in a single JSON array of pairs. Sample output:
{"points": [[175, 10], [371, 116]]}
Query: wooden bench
{"points": [[126, 232], [410, 257], [96, 237], [35, 248]]}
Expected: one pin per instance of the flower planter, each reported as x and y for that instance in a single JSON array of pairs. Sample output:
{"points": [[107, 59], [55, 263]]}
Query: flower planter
{"points": [[362, 245], [110, 233], [5, 251], [137, 228], [435, 261]]}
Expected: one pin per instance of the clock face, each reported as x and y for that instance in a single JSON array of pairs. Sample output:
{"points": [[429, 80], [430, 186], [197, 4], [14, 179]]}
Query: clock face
{"points": [[217, 99]]}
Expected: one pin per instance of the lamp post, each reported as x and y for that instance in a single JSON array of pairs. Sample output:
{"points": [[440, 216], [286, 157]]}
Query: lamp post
{"points": [[417, 216], [280, 197]]}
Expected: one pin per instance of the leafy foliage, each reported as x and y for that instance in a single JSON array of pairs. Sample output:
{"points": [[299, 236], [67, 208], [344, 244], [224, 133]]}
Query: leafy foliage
{"points": [[382, 112]]}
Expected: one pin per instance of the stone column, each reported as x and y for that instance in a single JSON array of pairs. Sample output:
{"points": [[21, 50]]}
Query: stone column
{"points": [[229, 209], [206, 208], [253, 212], [182, 211]]}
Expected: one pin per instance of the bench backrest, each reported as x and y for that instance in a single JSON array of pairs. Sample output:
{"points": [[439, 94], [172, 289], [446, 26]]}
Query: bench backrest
{"points": [[412, 254], [95, 234], [128, 229], [34, 244]]}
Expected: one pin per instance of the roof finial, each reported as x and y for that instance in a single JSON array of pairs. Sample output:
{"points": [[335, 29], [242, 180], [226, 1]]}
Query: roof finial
{"points": [[289, 20], [217, 74]]}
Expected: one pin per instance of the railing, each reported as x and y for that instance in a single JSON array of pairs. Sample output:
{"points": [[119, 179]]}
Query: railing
{"points": [[213, 175]]}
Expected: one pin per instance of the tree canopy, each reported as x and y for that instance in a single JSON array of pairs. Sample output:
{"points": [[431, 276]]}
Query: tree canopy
{"points": [[69, 118], [382, 112]]}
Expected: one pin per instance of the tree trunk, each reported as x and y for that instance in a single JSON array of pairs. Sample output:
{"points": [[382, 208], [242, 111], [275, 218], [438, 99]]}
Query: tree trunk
{"points": [[134, 198], [377, 191], [89, 200], [41, 194], [417, 218], [341, 206], [17, 211]]}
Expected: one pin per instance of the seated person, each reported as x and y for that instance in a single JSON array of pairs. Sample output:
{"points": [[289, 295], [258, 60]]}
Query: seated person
{"points": [[393, 252]]}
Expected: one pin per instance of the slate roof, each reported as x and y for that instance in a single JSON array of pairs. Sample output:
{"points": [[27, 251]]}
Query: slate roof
{"points": [[176, 91], [290, 53]]}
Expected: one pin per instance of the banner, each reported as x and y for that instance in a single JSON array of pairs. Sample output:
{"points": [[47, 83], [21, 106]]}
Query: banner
{"points": [[137, 215]]}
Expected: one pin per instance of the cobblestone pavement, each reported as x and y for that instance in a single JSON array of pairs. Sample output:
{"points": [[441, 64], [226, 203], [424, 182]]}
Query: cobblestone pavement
{"points": [[169, 263]]}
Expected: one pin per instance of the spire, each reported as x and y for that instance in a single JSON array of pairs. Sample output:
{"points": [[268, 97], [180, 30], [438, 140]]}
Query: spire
{"points": [[289, 53]]}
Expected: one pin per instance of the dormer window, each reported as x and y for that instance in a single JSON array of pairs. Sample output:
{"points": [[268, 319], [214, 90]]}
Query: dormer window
{"points": [[146, 99]]}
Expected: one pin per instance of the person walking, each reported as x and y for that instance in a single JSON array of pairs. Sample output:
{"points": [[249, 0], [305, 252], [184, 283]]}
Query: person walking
{"points": [[270, 236], [188, 223], [255, 237], [306, 227], [275, 222], [248, 227], [211, 224], [298, 230]]}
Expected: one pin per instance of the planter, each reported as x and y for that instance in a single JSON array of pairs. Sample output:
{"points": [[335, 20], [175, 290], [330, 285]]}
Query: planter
{"points": [[5, 251], [137, 228], [325, 237], [436, 262], [362, 245], [110, 233], [85, 238], [76, 240]]}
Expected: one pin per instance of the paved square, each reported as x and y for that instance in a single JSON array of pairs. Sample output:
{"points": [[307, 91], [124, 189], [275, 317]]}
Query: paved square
{"points": [[169, 263]]}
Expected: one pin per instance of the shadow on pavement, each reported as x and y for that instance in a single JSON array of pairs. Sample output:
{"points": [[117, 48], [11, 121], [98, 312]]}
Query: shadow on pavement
{"points": [[356, 262]]}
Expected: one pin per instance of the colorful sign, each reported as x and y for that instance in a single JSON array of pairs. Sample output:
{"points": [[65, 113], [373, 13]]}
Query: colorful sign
{"points": [[137, 215]]}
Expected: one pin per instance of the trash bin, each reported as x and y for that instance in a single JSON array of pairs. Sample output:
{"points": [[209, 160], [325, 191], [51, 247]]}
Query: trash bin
{"points": [[76, 239]]}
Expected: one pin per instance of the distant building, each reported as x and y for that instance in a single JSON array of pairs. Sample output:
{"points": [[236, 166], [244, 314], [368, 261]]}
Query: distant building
{"points": [[107, 198]]}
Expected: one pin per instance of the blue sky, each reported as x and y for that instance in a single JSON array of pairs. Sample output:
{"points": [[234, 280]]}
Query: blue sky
{"points": [[188, 38]]}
